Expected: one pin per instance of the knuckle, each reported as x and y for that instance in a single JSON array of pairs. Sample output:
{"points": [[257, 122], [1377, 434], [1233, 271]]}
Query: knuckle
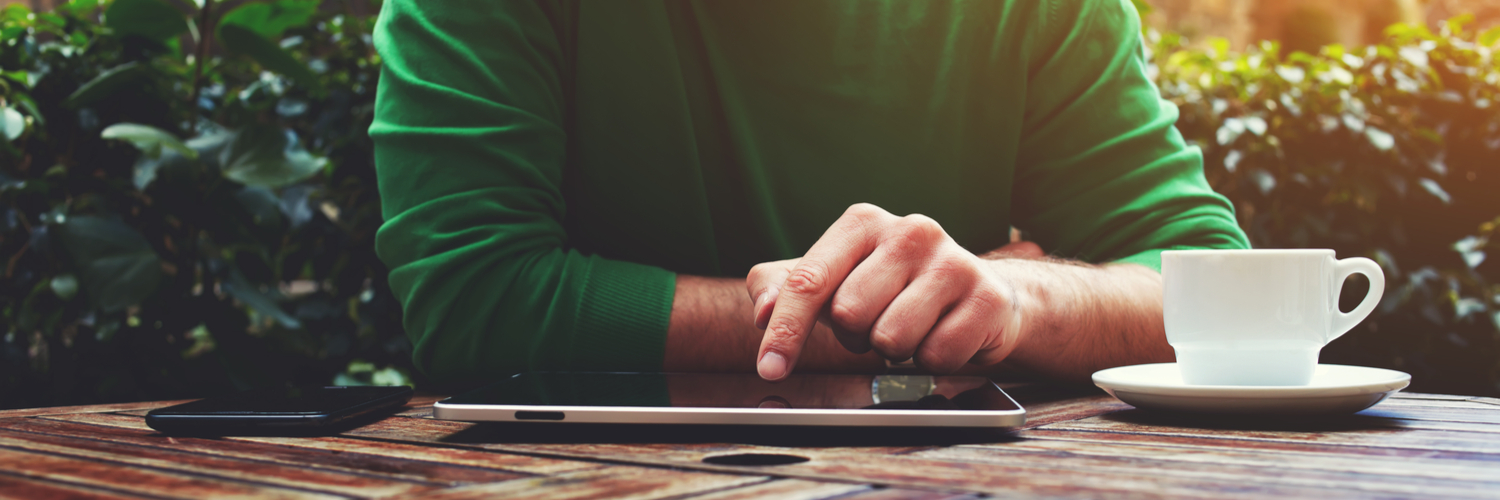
{"points": [[863, 210], [916, 233], [783, 337], [864, 215], [989, 298], [936, 363], [810, 278], [923, 226], [952, 270], [886, 344], [845, 312]]}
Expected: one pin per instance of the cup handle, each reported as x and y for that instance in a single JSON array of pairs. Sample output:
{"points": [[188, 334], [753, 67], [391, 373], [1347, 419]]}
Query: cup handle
{"points": [[1342, 321]]}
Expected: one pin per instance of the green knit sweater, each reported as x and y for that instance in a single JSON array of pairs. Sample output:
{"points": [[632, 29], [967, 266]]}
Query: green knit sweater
{"points": [[547, 166]]}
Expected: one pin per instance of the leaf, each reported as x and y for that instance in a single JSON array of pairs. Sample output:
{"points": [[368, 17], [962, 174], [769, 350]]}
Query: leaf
{"points": [[1489, 37], [268, 156], [1230, 130], [145, 168], [1232, 159], [65, 286], [116, 265], [241, 40], [270, 19], [150, 140], [12, 124], [262, 205], [1436, 189], [81, 7], [1256, 125], [105, 84], [153, 19], [262, 302], [1380, 139]]}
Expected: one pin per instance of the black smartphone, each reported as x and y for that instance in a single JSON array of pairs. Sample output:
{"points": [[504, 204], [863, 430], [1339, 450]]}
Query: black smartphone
{"points": [[294, 410]]}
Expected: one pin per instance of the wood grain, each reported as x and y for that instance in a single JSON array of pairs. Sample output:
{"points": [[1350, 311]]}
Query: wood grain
{"points": [[1079, 443], [36, 489], [1433, 478], [411, 457], [63, 410], [786, 489], [623, 482], [138, 480], [903, 494], [249, 471], [1341, 432], [386, 468], [1036, 477]]}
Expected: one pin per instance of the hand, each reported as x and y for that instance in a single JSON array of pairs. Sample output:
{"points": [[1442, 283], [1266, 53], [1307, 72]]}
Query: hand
{"points": [[898, 285]]}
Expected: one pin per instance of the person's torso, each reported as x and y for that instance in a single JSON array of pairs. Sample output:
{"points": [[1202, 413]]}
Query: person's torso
{"points": [[706, 137]]}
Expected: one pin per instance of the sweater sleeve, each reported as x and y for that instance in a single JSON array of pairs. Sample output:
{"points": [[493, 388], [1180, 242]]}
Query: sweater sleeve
{"points": [[470, 147], [1102, 174]]}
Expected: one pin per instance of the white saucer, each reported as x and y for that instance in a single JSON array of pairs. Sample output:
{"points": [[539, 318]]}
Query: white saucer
{"points": [[1334, 389]]}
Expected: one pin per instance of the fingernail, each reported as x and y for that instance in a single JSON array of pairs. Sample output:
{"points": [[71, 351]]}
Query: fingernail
{"points": [[772, 366]]}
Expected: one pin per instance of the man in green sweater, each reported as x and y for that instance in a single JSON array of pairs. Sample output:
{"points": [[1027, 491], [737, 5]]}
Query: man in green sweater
{"points": [[595, 185]]}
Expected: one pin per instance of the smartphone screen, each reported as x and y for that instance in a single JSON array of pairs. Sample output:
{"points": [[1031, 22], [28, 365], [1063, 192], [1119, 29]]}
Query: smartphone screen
{"points": [[812, 391]]}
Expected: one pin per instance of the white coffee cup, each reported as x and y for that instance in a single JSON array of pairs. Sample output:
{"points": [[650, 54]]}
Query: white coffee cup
{"points": [[1258, 317]]}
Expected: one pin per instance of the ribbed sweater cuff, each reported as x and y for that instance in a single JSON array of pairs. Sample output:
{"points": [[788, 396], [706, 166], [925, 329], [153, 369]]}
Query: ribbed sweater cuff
{"points": [[623, 317]]}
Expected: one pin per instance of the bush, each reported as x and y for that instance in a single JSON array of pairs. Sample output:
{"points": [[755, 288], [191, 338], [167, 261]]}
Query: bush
{"points": [[1387, 151], [179, 219]]}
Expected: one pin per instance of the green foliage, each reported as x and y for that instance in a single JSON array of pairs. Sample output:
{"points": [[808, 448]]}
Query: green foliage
{"points": [[174, 226], [1387, 152], [152, 19]]}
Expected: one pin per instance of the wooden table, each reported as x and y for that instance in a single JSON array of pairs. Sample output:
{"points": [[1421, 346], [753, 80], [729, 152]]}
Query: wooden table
{"points": [[1076, 444]]}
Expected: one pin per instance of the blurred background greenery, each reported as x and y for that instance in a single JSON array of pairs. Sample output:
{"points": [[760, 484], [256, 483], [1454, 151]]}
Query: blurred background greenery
{"points": [[189, 200]]}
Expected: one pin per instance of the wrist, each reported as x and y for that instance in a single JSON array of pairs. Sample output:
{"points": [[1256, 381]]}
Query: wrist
{"points": [[1016, 280]]}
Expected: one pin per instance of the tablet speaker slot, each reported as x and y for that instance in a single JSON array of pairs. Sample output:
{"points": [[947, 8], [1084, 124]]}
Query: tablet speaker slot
{"points": [[539, 415]]}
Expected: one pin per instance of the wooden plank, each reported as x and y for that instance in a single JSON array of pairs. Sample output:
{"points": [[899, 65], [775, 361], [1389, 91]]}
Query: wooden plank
{"points": [[1435, 397], [412, 457], [1284, 447], [138, 480], [904, 494], [786, 489], [1042, 477], [387, 468], [1416, 465], [35, 489], [1436, 414], [121, 456], [1062, 411], [1367, 475], [1343, 432], [1440, 404], [60, 410], [621, 482]]}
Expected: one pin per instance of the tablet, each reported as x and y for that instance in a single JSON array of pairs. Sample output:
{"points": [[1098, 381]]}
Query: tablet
{"points": [[734, 399]]}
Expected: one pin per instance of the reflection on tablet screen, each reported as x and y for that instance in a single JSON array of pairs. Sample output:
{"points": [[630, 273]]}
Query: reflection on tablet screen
{"points": [[884, 392]]}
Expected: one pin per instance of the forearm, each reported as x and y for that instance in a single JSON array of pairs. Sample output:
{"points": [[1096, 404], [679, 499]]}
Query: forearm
{"points": [[711, 330], [1076, 318]]}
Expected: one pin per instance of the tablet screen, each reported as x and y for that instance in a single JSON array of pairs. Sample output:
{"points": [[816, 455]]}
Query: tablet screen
{"points": [[694, 390]]}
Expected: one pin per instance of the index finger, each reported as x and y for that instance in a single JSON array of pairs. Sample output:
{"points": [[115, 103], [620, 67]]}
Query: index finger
{"points": [[810, 285]]}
